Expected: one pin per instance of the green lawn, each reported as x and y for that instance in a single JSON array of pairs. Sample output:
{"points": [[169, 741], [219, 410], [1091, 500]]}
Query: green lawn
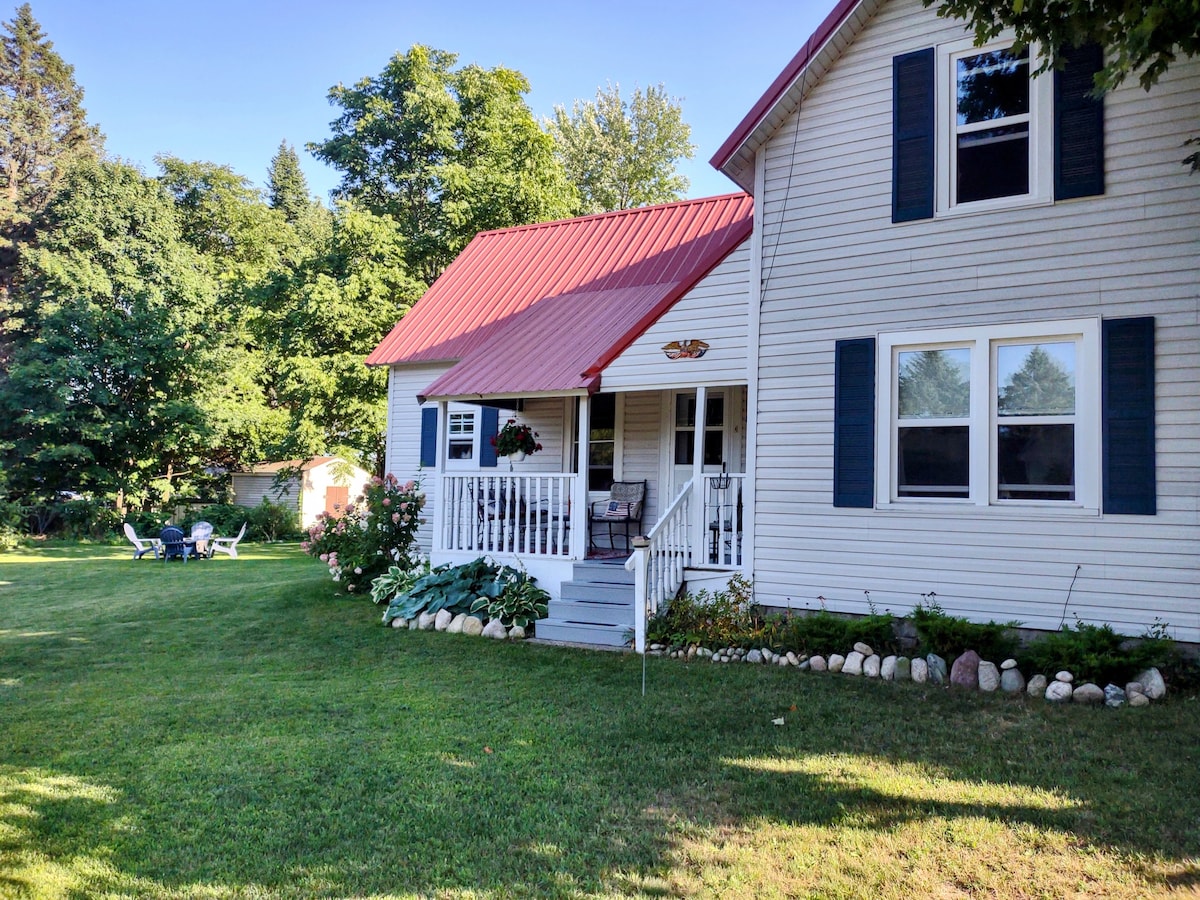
{"points": [[232, 728]]}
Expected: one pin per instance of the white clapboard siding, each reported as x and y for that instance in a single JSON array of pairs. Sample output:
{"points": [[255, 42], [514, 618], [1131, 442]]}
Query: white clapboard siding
{"points": [[250, 490], [641, 440], [714, 311], [835, 267], [550, 418], [404, 435]]}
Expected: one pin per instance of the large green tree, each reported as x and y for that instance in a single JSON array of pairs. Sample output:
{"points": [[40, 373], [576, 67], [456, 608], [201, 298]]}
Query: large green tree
{"points": [[445, 152], [287, 188], [622, 154], [317, 323], [1141, 38], [114, 348]]}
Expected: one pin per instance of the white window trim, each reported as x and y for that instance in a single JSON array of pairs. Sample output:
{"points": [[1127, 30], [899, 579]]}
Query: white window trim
{"points": [[476, 418], [1041, 138], [983, 420]]}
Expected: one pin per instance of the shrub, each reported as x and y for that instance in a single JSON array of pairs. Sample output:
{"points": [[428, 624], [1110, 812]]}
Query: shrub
{"points": [[825, 632], [950, 636], [458, 589], [373, 533], [146, 524], [721, 618], [88, 519], [225, 518], [1096, 653], [271, 521], [11, 517]]}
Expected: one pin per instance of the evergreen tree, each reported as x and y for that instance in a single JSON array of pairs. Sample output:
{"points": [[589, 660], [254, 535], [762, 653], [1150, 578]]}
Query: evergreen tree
{"points": [[43, 129], [1041, 387], [287, 189], [933, 384], [621, 155]]}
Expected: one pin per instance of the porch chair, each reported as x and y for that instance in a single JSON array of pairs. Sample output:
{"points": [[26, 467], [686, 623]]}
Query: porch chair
{"points": [[173, 544], [141, 546], [202, 535], [623, 507], [226, 545]]}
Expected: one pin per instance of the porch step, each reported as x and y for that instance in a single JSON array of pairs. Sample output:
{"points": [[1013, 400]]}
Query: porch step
{"points": [[596, 607]]}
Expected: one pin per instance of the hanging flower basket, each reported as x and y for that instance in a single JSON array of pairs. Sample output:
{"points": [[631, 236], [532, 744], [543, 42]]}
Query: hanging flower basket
{"points": [[516, 441]]}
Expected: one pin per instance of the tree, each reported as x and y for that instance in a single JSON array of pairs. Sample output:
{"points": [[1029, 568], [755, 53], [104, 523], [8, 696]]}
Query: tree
{"points": [[445, 153], [622, 155], [317, 323], [287, 189], [113, 352], [1137, 37]]}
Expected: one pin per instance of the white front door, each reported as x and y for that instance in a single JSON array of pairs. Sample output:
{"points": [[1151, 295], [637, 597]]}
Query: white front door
{"points": [[719, 435]]}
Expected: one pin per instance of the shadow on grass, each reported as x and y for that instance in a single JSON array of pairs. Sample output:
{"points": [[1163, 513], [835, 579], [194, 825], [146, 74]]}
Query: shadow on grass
{"points": [[283, 745]]}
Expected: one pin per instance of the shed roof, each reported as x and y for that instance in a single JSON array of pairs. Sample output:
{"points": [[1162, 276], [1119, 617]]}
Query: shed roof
{"points": [[543, 308], [271, 468], [735, 157]]}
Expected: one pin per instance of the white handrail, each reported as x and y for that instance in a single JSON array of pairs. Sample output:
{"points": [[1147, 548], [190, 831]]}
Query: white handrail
{"points": [[658, 563]]}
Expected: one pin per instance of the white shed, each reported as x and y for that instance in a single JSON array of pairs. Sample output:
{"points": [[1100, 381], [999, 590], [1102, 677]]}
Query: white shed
{"points": [[323, 483]]}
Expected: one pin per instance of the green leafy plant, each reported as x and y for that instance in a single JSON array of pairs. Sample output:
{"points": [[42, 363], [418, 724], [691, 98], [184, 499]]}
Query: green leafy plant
{"points": [[397, 581], [271, 521], [724, 617], [826, 632], [455, 588], [950, 636], [374, 532], [1096, 653], [516, 438], [521, 602]]}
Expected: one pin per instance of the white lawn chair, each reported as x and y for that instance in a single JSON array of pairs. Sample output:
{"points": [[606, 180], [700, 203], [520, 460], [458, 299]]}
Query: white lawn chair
{"points": [[227, 545], [141, 546]]}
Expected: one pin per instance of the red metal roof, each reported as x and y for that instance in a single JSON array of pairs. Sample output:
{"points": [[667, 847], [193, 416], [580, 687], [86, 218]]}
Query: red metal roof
{"points": [[725, 159], [543, 308]]}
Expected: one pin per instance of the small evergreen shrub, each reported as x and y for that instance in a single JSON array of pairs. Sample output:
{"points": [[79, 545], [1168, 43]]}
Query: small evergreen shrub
{"points": [[1096, 653], [951, 636], [824, 632]]}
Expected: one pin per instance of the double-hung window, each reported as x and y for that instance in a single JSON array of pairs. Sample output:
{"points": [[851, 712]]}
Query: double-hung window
{"points": [[460, 428], [1003, 415], [995, 135]]}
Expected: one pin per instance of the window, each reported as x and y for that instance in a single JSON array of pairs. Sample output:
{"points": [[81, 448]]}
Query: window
{"points": [[714, 429], [602, 442], [994, 146], [461, 430], [990, 416]]}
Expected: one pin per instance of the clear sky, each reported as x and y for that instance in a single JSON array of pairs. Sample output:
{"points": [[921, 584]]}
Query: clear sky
{"points": [[225, 82]]}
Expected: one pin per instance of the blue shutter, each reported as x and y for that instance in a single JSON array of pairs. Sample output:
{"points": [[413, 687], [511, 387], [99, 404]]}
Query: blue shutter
{"points": [[489, 424], [1128, 413], [854, 423], [912, 136], [429, 417], [1078, 125]]}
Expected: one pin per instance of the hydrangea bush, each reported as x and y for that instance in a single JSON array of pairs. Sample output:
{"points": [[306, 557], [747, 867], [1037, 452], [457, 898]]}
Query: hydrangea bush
{"points": [[375, 532]]}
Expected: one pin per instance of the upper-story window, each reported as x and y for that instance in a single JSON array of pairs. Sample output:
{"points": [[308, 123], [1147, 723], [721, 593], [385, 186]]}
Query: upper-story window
{"points": [[995, 144]]}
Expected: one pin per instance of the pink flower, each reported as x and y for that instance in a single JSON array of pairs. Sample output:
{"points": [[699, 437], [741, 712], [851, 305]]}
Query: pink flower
{"points": [[395, 518], [358, 570], [350, 588], [387, 501], [324, 557]]}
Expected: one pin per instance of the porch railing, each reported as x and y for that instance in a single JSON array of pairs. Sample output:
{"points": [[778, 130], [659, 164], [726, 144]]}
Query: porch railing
{"points": [[722, 520], [507, 513], [658, 566]]}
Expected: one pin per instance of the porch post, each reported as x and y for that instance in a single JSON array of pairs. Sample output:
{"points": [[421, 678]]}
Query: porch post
{"points": [[579, 504], [439, 470], [700, 512]]}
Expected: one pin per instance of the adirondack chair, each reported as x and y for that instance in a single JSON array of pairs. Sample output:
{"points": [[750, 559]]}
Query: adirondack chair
{"points": [[202, 535], [227, 545], [141, 546], [173, 544]]}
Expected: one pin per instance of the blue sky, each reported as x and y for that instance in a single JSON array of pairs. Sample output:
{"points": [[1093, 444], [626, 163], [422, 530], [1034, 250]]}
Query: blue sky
{"points": [[225, 81]]}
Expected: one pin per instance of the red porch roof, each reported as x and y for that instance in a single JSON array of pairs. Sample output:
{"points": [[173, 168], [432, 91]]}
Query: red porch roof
{"points": [[543, 308]]}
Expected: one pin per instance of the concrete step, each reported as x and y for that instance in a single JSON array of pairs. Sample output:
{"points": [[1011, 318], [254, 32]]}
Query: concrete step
{"points": [[591, 613], [550, 629], [597, 592], [612, 572]]}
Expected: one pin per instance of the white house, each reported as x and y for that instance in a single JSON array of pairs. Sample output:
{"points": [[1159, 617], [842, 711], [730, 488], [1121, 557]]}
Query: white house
{"points": [[975, 330], [323, 484]]}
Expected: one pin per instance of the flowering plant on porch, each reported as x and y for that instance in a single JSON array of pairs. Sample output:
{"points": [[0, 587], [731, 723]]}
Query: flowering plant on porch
{"points": [[515, 438]]}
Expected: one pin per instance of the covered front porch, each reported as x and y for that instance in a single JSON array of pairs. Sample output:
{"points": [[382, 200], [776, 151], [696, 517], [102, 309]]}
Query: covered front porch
{"points": [[685, 450]]}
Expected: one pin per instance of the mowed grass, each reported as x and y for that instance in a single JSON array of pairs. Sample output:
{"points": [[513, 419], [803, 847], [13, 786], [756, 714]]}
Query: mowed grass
{"points": [[232, 728]]}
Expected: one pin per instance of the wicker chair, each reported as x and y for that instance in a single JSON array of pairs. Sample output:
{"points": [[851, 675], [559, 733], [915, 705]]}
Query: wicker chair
{"points": [[626, 500]]}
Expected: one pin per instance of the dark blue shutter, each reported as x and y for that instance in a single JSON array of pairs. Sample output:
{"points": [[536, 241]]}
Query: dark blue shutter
{"points": [[1078, 125], [1128, 413], [854, 423], [489, 424], [429, 417], [912, 136]]}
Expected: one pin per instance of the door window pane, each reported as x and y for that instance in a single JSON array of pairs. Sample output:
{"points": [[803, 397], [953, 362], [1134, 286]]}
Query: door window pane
{"points": [[934, 462], [1035, 379], [602, 441], [935, 384]]}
